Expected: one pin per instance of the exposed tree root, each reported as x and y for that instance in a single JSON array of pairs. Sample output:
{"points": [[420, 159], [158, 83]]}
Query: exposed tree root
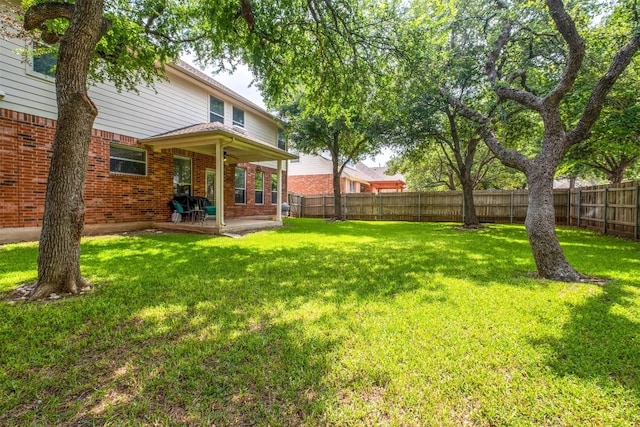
{"points": [[43, 290]]}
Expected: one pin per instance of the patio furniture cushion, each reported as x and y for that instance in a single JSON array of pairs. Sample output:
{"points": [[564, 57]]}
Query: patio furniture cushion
{"points": [[210, 210], [177, 206]]}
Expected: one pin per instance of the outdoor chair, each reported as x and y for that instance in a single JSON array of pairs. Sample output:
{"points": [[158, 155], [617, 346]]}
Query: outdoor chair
{"points": [[205, 205], [179, 212]]}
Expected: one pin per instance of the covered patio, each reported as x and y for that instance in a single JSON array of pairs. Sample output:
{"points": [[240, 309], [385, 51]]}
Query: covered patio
{"points": [[232, 226], [228, 146]]}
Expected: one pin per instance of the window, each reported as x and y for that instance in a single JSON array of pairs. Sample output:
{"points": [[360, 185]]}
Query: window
{"points": [[123, 159], [44, 63], [274, 188], [181, 176], [240, 194], [216, 110], [210, 183], [282, 142], [352, 186], [238, 117], [259, 188]]}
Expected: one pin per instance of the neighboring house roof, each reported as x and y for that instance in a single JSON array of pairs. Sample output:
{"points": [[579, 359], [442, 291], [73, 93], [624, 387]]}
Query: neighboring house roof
{"points": [[359, 172], [377, 177], [565, 183]]}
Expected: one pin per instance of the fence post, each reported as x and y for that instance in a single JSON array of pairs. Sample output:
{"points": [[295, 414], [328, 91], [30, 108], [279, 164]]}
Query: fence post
{"points": [[344, 206], [637, 204], [511, 208], [420, 207], [462, 194], [569, 207], [324, 206], [606, 209], [579, 207]]}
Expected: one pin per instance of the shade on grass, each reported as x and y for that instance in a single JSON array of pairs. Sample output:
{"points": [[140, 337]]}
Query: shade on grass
{"points": [[321, 323]]}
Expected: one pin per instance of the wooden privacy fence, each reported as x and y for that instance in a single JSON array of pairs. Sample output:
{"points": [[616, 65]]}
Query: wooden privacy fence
{"points": [[609, 209]]}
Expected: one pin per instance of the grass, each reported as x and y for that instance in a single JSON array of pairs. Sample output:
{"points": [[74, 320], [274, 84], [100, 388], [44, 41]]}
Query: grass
{"points": [[351, 323]]}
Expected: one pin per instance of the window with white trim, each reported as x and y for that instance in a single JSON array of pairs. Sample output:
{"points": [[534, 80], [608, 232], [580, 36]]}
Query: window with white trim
{"points": [[216, 110], [43, 64], [127, 160], [282, 141], [238, 117], [259, 188], [241, 186], [181, 176], [274, 188]]}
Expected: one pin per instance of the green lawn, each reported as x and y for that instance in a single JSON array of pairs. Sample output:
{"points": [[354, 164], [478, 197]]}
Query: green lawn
{"points": [[354, 323]]}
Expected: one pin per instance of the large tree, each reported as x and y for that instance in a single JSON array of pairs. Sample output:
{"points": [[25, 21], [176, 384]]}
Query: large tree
{"points": [[344, 102], [127, 42], [529, 65], [346, 138]]}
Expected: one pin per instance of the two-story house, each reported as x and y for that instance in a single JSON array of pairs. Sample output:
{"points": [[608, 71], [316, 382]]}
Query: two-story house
{"points": [[189, 135]]}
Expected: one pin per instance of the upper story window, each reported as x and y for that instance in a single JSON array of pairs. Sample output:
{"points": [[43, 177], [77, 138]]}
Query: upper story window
{"points": [[238, 117], [282, 142], [129, 160], [216, 110]]}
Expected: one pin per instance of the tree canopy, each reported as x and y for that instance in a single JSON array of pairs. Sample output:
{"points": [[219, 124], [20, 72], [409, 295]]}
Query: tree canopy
{"points": [[533, 58]]}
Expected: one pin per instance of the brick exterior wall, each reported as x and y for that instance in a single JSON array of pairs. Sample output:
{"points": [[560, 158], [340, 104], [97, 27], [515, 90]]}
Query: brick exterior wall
{"points": [[25, 153], [310, 185]]}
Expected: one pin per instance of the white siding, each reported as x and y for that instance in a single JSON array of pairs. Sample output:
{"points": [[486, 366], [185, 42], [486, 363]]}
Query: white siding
{"points": [[273, 164], [173, 104], [24, 93], [310, 165], [179, 102]]}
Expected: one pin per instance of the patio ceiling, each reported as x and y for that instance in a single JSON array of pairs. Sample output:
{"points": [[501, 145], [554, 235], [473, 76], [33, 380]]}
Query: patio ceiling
{"points": [[202, 138]]}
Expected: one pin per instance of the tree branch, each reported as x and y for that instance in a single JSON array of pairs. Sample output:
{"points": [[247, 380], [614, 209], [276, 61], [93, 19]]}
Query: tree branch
{"points": [[567, 29], [599, 94], [509, 157], [490, 66], [37, 16], [525, 98]]}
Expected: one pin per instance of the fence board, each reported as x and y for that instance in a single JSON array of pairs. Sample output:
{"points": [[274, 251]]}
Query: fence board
{"points": [[609, 209]]}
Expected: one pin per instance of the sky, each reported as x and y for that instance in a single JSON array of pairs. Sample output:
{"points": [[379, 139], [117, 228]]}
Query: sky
{"points": [[240, 82]]}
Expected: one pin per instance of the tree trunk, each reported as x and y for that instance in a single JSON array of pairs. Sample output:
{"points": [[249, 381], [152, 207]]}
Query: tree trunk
{"points": [[337, 196], [617, 173], [59, 252], [470, 217], [540, 225]]}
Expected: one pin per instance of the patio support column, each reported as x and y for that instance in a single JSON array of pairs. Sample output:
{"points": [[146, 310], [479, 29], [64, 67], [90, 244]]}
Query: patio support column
{"points": [[219, 185], [279, 196]]}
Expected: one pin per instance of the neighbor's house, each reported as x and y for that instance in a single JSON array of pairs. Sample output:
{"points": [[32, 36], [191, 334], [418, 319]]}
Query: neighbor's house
{"points": [[190, 136], [313, 174]]}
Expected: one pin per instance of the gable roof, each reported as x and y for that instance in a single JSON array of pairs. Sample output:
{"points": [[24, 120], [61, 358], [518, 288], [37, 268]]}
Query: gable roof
{"points": [[189, 70], [204, 137]]}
